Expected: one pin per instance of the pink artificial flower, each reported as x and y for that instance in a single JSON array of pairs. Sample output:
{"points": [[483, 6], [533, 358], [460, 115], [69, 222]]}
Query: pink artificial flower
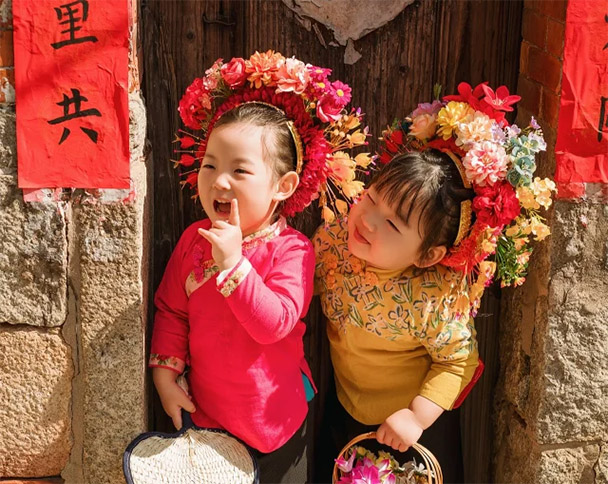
{"points": [[210, 82], [366, 474], [328, 110], [319, 74], [346, 465], [234, 72], [340, 93], [500, 100], [293, 76], [486, 163], [212, 75], [427, 108]]}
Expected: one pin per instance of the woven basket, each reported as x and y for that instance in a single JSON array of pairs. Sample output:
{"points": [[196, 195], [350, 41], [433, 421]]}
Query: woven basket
{"points": [[435, 476], [193, 455]]}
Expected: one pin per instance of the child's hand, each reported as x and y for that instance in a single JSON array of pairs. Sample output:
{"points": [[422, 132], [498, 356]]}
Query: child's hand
{"points": [[226, 239], [172, 396], [400, 431]]}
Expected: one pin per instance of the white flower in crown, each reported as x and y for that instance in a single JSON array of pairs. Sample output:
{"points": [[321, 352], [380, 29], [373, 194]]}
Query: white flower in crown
{"points": [[486, 163], [478, 129]]}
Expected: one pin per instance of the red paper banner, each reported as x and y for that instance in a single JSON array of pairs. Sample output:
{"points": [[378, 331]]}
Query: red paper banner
{"points": [[582, 139], [71, 81]]}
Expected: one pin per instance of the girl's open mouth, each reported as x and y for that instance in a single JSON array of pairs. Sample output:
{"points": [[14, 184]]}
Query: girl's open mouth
{"points": [[223, 208]]}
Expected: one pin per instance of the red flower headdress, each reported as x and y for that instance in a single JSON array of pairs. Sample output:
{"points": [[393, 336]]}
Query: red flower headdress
{"points": [[497, 161], [316, 111]]}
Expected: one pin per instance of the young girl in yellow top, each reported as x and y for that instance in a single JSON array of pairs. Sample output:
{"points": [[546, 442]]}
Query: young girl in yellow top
{"points": [[400, 278]]}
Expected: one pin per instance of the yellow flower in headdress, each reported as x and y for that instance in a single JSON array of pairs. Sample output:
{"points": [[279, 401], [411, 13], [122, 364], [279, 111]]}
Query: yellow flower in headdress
{"points": [[451, 115], [540, 230], [342, 167], [328, 215], [542, 189], [352, 188], [526, 198], [363, 160]]}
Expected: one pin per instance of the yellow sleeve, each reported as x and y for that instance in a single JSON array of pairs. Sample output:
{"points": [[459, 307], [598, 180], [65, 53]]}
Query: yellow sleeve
{"points": [[449, 338]]}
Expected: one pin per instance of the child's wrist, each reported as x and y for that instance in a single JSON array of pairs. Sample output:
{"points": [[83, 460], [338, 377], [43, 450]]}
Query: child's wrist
{"points": [[415, 418], [229, 263], [164, 376]]}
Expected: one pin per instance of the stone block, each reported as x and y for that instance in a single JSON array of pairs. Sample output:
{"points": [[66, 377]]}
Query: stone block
{"points": [[35, 390], [601, 467], [33, 259], [112, 319], [575, 402], [6, 14], [570, 465]]}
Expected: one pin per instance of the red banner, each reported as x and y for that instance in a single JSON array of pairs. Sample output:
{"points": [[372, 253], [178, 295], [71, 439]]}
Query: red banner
{"points": [[71, 81], [581, 150]]}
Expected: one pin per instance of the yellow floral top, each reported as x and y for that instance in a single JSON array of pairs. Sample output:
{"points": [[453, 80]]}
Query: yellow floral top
{"points": [[393, 334]]}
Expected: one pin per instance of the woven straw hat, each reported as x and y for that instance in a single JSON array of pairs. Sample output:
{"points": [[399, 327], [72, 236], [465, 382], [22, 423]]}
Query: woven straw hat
{"points": [[193, 455]]}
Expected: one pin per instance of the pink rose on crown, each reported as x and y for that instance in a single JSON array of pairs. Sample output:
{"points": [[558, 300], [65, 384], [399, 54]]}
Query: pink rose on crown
{"points": [[234, 72], [328, 110]]}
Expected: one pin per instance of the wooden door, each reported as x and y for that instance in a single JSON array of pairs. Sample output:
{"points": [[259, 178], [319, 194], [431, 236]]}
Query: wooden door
{"points": [[430, 42]]}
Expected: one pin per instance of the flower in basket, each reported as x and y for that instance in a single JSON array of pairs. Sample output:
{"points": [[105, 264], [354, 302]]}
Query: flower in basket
{"points": [[364, 467]]}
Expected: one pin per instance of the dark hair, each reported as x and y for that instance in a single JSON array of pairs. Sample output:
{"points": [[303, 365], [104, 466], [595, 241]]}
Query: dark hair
{"points": [[281, 148], [428, 181]]}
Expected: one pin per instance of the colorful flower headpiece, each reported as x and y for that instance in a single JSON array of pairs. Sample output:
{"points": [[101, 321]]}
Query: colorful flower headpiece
{"points": [[496, 160], [315, 107]]}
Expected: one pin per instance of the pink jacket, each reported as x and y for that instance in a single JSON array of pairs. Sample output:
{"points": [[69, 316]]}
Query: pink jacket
{"points": [[242, 337]]}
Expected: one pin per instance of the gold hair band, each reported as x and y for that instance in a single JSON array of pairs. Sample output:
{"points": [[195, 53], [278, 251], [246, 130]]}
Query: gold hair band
{"points": [[466, 207], [294, 134]]}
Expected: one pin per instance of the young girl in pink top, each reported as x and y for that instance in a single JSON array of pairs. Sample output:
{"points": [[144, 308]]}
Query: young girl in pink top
{"points": [[238, 283]]}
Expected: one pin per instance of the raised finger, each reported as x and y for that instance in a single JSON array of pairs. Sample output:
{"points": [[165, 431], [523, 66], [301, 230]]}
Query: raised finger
{"points": [[234, 218]]}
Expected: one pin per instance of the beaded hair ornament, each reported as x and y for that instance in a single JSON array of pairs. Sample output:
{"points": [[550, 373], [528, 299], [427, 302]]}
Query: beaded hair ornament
{"points": [[315, 108], [496, 160]]}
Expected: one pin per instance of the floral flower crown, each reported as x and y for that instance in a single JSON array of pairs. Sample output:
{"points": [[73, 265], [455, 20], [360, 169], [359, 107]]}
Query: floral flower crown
{"points": [[496, 160], [315, 107]]}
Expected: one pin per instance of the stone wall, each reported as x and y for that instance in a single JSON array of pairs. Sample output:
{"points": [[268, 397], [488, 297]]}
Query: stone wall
{"points": [[552, 399], [72, 308]]}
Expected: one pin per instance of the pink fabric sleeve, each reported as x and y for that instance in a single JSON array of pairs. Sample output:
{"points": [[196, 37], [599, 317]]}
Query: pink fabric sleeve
{"points": [[169, 347], [269, 308]]}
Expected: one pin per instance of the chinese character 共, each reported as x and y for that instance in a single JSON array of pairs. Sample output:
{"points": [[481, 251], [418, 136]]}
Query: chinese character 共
{"points": [[76, 100]]}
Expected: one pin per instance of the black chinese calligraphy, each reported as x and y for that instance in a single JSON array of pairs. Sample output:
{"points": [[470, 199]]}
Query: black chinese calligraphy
{"points": [[603, 118], [606, 19], [75, 101], [71, 15]]}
